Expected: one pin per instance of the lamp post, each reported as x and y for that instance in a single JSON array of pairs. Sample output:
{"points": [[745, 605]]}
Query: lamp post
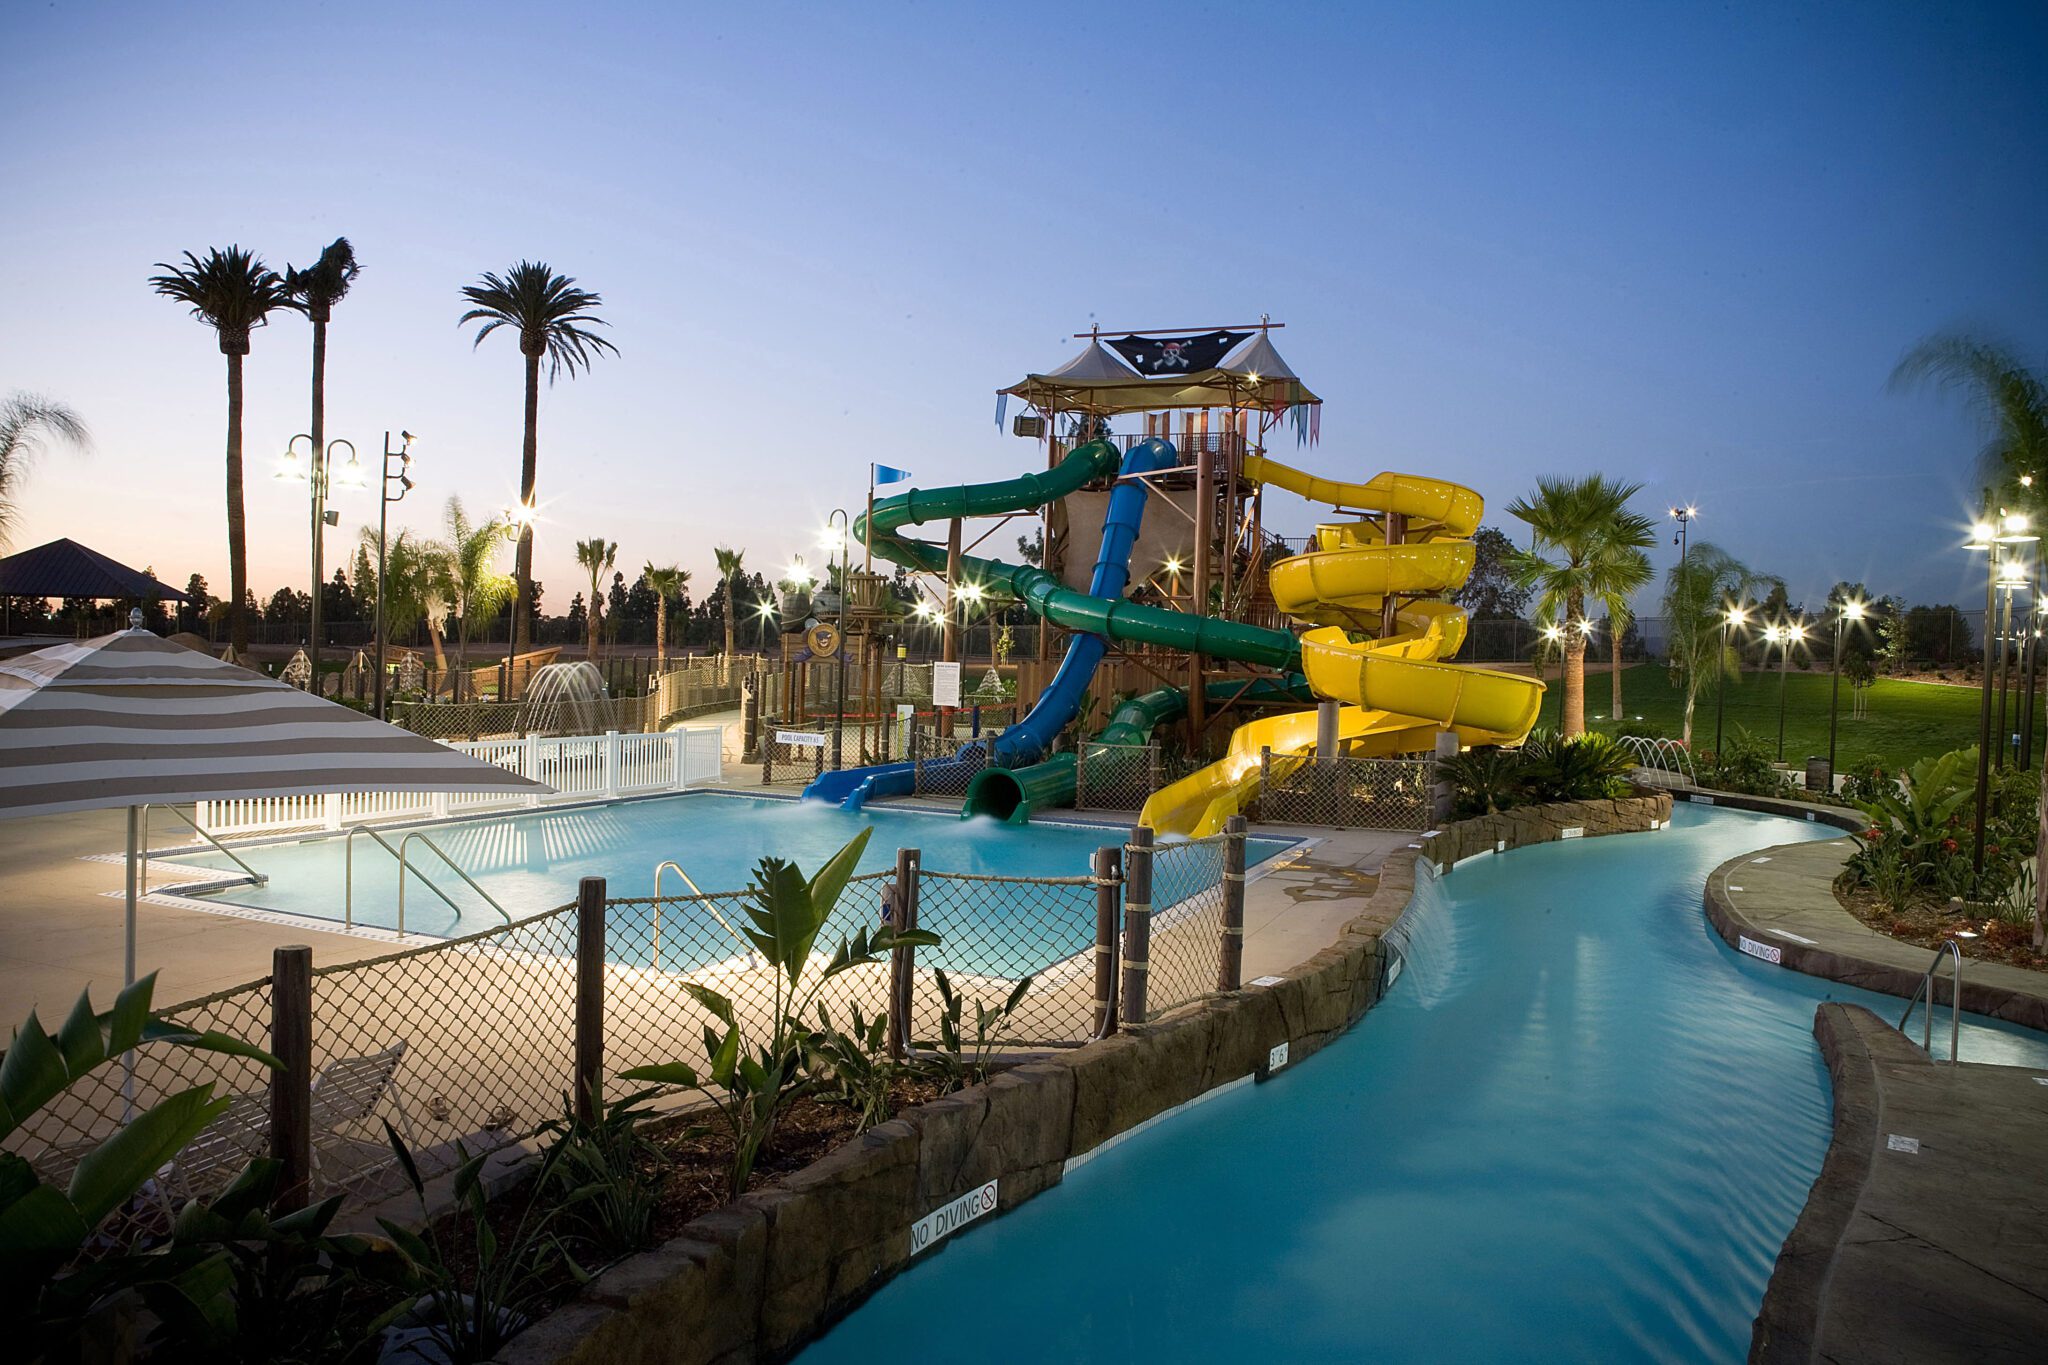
{"points": [[318, 470], [519, 519], [1844, 611], [401, 475], [1684, 517], [839, 664], [1994, 538], [2012, 576], [1734, 616]]}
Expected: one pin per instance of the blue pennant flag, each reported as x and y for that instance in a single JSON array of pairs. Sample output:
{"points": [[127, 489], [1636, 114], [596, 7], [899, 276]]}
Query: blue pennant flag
{"points": [[884, 474]]}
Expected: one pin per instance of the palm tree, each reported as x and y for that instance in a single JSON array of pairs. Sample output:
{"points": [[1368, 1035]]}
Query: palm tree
{"points": [[1629, 574], [598, 557], [1585, 523], [1697, 594], [553, 319], [314, 291], [476, 589], [415, 586], [729, 562], [234, 293], [665, 583], [2011, 399], [24, 420]]}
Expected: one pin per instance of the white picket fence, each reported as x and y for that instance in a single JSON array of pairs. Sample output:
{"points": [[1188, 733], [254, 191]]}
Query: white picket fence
{"points": [[579, 768]]}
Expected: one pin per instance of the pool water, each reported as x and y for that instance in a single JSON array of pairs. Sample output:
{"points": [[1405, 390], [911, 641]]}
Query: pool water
{"points": [[532, 862], [1579, 1128]]}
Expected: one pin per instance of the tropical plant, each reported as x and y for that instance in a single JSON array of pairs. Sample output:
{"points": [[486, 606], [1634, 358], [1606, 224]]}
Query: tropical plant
{"points": [[729, 564], [607, 1176], [1698, 593], [314, 291], [416, 585], [473, 1305], [666, 582], [1484, 781], [953, 1061], [1744, 764], [852, 1067], [1629, 574], [553, 319], [598, 558], [751, 1080], [24, 420], [44, 1228], [1588, 547], [234, 293], [1574, 768], [476, 588]]}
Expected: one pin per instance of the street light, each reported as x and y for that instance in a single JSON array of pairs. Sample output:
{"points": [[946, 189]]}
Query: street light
{"points": [[1684, 517], [2012, 576], [318, 470], [1999, 539], [1734, 616], [1784, 636], [401, 475], [1844, 611]]}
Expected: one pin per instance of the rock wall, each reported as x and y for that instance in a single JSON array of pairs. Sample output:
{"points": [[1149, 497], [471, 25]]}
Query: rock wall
{"points": [[760, 1277]]}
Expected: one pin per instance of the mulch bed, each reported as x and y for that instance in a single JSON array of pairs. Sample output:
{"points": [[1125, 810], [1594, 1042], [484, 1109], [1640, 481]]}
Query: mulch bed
{"points": [[1929, 921]]}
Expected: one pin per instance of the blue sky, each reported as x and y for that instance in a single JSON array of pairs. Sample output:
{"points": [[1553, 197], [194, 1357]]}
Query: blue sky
{"points": [[1680, 244]]}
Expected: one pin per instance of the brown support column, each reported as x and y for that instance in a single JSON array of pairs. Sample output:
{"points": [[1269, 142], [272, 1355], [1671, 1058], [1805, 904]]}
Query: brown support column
{"points": [[1137, 923], [949, 651], [1205, 529], [291, 1085], [903, 961], [589, 996], [1230, 955], [1108, 870]]}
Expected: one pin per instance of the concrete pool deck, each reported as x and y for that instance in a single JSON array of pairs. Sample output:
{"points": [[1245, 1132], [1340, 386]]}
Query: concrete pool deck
{"points": [[1923, 1239]]}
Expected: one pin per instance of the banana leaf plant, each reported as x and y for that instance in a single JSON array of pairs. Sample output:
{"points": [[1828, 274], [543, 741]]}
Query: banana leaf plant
{"points": [[45, 1228], [750, 1080]]}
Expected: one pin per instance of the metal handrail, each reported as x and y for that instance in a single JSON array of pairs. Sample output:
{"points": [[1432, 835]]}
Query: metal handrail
{"points": [[255, 878], [348, 878], [753, 958], [1955, 1001], [420, 835]]}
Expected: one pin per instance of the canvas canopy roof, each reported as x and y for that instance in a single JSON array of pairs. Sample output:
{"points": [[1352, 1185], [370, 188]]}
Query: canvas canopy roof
{"points": [[64, 568], [1097, 381]]}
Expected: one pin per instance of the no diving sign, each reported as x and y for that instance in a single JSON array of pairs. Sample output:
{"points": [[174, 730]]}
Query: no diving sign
{"points": [[941, 1223], [1768, 952]]}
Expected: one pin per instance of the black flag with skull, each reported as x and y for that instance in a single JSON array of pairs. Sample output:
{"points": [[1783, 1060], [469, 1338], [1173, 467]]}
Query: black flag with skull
{"points": [[1151, 356]]}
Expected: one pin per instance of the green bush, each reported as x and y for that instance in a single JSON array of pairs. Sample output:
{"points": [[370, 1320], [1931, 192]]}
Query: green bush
{"points": [[1744, 765], [1636, 728], [1545, 768]]}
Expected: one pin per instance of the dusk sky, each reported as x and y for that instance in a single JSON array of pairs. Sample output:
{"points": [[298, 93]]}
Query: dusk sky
{"points": [[1683, 245]]}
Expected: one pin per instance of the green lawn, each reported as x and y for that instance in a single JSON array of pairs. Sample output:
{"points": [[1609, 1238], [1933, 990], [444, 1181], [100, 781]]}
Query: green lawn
{"points": [[1904, 720]]}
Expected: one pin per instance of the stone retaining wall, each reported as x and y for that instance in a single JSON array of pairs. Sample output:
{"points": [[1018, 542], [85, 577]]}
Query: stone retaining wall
{"points": [[760, 1277]]}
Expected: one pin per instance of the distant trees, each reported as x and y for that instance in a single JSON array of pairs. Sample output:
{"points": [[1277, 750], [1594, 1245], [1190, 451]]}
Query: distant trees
{"points": [[1491, 592]]}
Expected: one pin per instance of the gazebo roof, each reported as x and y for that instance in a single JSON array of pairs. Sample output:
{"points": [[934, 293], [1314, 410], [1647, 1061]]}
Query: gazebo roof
{"points": [[1096, 381], [64, 568]]}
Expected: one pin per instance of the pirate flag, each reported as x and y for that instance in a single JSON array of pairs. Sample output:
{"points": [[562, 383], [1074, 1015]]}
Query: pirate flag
{"points": [[1153, 356]]}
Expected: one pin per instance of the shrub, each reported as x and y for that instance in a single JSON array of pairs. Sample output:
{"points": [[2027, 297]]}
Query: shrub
{"points": [[1744, 765], [1636, 728], [1545, 768]]}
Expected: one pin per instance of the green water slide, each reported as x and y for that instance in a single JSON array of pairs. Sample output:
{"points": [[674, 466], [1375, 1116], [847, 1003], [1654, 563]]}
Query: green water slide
{"points": [[1015, 795], [1042, 592]]}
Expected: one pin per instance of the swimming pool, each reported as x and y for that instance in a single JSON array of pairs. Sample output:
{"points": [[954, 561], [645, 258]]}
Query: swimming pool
{"points": [[1579, 1127], [532, 861]]}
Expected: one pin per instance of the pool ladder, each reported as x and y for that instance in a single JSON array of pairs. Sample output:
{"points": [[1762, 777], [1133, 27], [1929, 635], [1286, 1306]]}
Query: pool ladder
{"points": [[753, 957], [1926, 990], [348, 901], [252, 877]]}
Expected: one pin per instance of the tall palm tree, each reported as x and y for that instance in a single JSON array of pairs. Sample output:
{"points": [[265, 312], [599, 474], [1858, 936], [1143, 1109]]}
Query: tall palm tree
{"points": [[314, 291], [1698, 591], [598, 557], [24, 420], [2011, 399], [729, 563], [476, 588], [1584, 531], [415, 586], [665, 583], [553, 319], [1628, 575], [234, 293]]}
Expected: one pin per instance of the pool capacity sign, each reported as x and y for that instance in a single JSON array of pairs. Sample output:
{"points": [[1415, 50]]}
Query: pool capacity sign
{"points": [[941, 1223], [945, 684]]}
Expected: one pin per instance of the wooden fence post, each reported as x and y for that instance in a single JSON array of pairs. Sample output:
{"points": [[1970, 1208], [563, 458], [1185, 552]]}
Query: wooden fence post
{"points": [[1230, 957], [1137, 922], [1108, 869], [903, 961], [589, 997], [291, 1086]]}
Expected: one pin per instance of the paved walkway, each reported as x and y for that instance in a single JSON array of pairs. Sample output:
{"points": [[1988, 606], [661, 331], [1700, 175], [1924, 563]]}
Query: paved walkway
{"points": [[1923, 1239], [1783, 898]]}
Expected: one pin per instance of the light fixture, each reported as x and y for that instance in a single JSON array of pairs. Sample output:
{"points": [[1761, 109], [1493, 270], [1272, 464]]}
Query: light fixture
{"points": [[1737, 616], [290, 467], [1854, 610], [351, 475], [971, 591]]}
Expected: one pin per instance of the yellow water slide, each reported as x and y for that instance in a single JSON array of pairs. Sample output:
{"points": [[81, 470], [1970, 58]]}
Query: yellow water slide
{"points": [[1396, 694]]}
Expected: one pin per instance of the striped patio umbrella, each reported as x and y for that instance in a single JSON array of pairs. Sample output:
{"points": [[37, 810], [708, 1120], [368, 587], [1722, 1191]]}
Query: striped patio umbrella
{"points": [[132, 720]]}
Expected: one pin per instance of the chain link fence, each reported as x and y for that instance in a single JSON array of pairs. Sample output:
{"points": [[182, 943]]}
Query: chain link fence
{"points": [[1349, 793], [473, 1043]]}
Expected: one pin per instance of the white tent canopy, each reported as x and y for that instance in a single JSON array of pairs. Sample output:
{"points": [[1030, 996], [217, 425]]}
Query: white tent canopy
{"points": [[131, 720]]}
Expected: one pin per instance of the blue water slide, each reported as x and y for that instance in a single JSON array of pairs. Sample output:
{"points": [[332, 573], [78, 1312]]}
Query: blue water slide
{"points": [[1028, 740]]}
